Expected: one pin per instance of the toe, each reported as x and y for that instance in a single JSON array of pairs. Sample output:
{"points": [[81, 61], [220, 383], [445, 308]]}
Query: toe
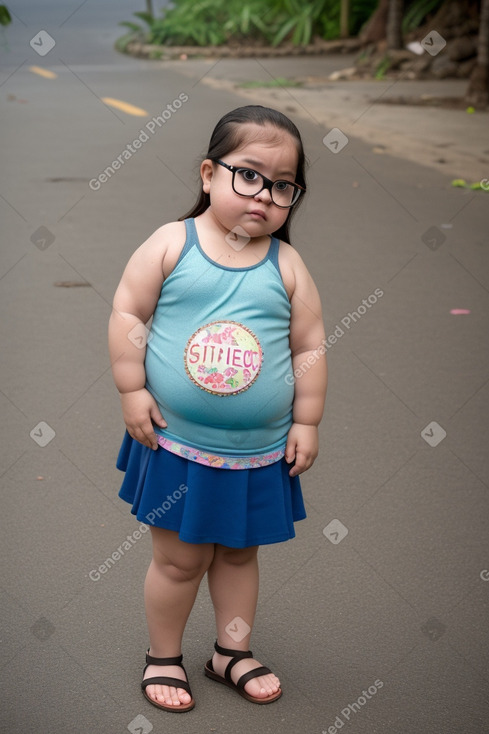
{"points": [[183, 696], [263, 686], [274, 682], [256, 689], [151, 692], [156, 693], [271, 684], [167, 695], [260, 687], [172, 699]]}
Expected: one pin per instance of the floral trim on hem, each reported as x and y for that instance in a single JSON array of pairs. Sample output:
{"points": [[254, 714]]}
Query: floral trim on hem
{"points": [[219, 462]]}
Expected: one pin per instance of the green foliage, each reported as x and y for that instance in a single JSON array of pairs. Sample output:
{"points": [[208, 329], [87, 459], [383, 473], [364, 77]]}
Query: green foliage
{"points": [[461, 183], [5, 17], [278, 82], [132, 26], [381, 69], [360, 12], [216, 22], [417, 12]]}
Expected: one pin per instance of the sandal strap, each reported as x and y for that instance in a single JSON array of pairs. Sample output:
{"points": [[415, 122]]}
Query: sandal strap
{"points": [[232, 653], [167, 681], [236, 655], [150, 660], [255, 673]]}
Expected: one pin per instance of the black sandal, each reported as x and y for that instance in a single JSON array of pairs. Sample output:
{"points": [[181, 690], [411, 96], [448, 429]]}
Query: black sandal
{"points": [[167, 681], [238, 655]]}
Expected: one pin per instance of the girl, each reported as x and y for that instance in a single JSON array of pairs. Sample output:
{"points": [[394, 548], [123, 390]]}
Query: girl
{"points": [[217, 431]]}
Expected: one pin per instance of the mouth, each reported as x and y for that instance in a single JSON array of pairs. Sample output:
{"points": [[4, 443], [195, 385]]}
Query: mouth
{"points": [[257, 214]]}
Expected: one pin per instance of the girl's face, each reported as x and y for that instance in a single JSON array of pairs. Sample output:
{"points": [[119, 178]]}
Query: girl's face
{"points": [[272, 153]]}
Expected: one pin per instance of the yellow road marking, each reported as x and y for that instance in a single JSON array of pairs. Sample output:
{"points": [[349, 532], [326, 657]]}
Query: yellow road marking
{"points": [[130, 109], [43, 72]]}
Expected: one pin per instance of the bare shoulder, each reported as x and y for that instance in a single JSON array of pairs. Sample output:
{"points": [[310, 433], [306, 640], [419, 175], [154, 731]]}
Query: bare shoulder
{"points": [[148, 267], [163, 247], [292, 268], [173, 236]]}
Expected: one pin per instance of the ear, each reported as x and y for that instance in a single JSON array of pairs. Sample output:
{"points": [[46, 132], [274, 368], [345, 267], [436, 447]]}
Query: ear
{"points": [[206, 173]]}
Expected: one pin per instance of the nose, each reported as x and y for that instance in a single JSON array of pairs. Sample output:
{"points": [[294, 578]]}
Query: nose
{"points": [[264, 195]]}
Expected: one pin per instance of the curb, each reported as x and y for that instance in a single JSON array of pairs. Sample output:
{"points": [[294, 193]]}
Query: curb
{"points": [[142, 50]]}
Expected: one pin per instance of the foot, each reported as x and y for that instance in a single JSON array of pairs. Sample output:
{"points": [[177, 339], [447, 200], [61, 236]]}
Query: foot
{"points": [[261, 687], [167, 695]]}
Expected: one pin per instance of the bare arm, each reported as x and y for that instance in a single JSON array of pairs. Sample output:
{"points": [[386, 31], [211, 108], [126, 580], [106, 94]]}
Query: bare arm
{"points": [[134, 303], [310, 370]]}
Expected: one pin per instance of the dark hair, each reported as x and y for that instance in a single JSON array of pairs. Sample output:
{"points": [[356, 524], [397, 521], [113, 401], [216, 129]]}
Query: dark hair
{"points": [[228, 135]]}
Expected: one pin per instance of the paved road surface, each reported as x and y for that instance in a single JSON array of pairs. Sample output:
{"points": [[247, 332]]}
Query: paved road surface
{"points": [[375, 616]]}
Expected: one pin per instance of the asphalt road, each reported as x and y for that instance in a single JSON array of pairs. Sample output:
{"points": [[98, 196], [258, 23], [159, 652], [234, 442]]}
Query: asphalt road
{"points": [[375, 616]]}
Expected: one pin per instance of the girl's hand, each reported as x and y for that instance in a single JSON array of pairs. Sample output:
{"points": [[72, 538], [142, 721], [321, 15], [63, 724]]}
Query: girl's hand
{"points": [[139, 409], [302, 445]]}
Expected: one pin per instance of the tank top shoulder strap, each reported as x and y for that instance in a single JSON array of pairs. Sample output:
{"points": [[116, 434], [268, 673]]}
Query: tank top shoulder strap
{"points": [[193, 238], [273, 252], [190, 240]]}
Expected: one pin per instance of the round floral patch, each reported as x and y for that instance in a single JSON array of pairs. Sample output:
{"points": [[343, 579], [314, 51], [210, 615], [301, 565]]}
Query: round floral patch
{"points": [[223, 357]]}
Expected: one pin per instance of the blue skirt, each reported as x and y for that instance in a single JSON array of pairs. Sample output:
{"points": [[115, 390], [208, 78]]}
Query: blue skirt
{"points": [[235, 508]]}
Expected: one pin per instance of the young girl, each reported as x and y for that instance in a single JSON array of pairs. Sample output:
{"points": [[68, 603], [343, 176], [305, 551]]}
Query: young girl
{"points": [[218, 430]]}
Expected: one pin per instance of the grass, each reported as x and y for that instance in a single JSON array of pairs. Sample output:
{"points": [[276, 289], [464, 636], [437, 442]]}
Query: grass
{"points": [[278, 82]]}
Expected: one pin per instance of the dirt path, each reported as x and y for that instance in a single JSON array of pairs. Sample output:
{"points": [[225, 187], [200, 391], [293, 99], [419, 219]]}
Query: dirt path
{"points": [[451, 141]]}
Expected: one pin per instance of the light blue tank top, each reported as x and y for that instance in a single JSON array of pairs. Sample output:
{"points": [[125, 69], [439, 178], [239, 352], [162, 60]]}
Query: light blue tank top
{"points": [[217, 359]]}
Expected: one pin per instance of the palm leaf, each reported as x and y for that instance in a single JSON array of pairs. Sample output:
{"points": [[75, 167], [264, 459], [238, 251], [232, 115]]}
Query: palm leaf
{"points": [[284, 31], [132, 26]]}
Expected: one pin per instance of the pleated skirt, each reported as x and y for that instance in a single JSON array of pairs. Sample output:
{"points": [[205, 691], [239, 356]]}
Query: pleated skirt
{"points": [[236, 508]]}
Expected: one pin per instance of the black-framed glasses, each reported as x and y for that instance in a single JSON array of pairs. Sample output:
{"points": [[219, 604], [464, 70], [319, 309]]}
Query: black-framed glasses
{"points": [[248, 182]]}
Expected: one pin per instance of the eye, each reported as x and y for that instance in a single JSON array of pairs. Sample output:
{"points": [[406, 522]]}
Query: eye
{"points": [[282, 185], [248, 174]]}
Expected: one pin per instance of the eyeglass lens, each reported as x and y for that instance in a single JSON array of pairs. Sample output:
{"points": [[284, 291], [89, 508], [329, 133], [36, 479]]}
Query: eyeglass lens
{"points": [[249, 183]]}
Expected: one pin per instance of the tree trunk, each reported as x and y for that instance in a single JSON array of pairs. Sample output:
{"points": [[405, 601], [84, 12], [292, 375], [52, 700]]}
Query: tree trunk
{"points": [[345, 19], [394, 24], [149, 8], [477, 94], [375, 28]]}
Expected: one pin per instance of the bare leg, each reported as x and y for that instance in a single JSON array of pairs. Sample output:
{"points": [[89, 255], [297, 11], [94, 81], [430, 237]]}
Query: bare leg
{"points": [[233, 585], [171, 586]]}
